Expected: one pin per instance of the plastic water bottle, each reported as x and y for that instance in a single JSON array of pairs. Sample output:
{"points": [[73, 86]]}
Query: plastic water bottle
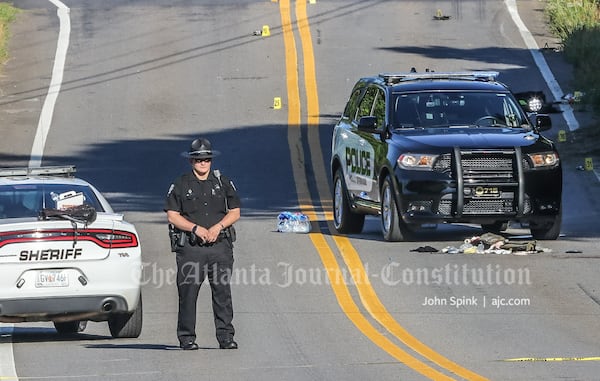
{"points": [[289, 222], [302, 224], [284, 224]]}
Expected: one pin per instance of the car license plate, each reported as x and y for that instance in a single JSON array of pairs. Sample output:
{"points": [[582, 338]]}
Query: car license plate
{"points": [[52, 278], [486, 192]]}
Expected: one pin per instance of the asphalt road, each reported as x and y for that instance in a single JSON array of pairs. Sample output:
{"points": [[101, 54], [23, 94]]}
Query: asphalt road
{"points": [[143, 78]]}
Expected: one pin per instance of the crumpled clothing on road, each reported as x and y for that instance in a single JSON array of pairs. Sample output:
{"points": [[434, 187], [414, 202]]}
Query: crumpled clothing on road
{"points": [[425, 249], [490, 243]]}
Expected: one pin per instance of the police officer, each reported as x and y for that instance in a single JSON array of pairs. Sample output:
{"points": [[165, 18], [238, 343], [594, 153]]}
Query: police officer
{"points": [[203, 205]]}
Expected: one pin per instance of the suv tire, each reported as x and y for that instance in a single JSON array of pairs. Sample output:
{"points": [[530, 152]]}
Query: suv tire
{"points": [[550, 231], [343, 219], [392, 226]]}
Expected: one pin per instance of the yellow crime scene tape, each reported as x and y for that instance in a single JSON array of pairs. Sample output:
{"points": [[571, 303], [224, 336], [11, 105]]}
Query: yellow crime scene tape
{"points": [[553, 359]]}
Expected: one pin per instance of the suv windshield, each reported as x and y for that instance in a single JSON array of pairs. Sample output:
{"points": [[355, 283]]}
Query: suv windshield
{"points": [[455, 108], [26, 200]]}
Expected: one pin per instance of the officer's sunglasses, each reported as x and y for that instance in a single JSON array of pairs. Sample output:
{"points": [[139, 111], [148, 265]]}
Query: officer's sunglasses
{"points": [[202, 160]]}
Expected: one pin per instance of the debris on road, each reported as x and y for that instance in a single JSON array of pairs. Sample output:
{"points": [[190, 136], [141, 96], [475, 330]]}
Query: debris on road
{"points": [[490, 243], [426, 249], [440, 16]]}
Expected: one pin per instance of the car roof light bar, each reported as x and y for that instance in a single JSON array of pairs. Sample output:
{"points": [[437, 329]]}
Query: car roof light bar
{"points": [[476, 75], [66, 171]]}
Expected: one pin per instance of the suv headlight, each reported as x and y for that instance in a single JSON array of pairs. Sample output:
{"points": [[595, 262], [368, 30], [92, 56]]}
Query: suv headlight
{"points": [[544, 159], [535, 104], [416, 161]]}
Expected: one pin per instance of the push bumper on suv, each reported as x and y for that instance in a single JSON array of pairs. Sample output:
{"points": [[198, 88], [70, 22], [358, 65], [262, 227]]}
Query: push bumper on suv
{"points": [[479, 187]]}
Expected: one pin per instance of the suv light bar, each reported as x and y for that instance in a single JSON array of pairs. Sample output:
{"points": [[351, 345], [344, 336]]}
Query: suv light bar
{"points": [[473, 75], [66, 171]]}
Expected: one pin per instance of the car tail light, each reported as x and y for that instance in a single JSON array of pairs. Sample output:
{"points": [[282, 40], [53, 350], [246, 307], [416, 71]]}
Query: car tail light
{"points": [[114, 238], [105, 238]]}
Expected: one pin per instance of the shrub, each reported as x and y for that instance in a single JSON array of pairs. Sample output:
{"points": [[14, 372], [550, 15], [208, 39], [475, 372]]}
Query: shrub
{"points": [[7, 14], [577, 24]]}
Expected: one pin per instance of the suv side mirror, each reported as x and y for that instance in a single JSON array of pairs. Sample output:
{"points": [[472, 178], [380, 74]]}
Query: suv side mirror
{"points": [[543, 122], [368, 124]]}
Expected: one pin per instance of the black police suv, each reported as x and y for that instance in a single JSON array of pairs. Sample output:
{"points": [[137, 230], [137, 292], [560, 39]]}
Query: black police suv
{"points": [[429, 148]]}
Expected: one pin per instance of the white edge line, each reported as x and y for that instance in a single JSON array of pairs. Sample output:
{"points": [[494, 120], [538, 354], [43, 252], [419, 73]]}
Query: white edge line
{"points": [[8, 370], [39, 142], [542, 65]]}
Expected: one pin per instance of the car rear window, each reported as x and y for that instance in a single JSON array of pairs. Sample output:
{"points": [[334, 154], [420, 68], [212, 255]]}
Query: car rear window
{"points": [[27, 200]]}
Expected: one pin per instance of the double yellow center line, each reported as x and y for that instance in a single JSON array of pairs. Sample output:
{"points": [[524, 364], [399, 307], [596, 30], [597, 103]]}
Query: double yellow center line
{"points": [[368, 297]]}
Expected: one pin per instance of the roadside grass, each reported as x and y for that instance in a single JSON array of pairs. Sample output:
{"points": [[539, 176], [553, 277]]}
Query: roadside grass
{"points": [[7, 14], [577, 24]]}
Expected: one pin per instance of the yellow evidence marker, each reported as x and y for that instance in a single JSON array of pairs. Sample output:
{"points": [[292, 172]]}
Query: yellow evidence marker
{"points": [[266, 31]]}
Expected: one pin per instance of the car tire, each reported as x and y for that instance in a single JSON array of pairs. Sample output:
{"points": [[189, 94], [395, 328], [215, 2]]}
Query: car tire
{"points": [[70, 327], [392, 226], [548, 232], [126, 325], [344, 220], [496, 227]]}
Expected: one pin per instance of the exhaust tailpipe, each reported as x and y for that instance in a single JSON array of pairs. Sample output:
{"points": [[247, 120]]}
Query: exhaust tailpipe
{"points": [[108, 306]]}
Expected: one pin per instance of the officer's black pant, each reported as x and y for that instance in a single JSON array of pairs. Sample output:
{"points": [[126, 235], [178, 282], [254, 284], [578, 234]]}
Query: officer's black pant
{"points": [[194, 264]]}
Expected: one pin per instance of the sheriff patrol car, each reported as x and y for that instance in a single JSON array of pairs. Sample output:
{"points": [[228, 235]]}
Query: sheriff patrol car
{"points": [[65, 255], [430, 148]]}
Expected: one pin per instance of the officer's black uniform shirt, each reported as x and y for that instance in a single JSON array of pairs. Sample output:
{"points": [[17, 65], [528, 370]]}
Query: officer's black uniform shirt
{"points": [[202, 201]]}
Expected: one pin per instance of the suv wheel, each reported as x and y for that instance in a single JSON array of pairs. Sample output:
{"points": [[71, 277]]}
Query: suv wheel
{"points": [[127, 325], [550, 231], [343, 219], [70, 327], [392, 226]]}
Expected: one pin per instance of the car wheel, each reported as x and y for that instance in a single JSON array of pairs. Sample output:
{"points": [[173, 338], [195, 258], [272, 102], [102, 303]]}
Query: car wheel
{"points": [[70, 327], [343, 219], [496, 227], [392, 226], [547, 232], [126, 325]]}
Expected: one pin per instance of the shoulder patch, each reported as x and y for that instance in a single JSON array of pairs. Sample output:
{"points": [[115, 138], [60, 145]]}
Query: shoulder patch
{"points": [[171, 189]]}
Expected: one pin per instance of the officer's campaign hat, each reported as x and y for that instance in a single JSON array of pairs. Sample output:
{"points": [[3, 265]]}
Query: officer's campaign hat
{"points": [[200, 149]]}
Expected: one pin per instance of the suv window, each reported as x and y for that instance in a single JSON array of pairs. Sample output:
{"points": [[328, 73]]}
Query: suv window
{"points": [[366, 104], [373, 104], [379, 108], [432, 109], [350, 111]]}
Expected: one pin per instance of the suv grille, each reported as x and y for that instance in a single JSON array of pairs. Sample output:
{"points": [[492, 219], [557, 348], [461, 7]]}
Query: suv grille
{"points": [[481, 165], [489, 183], [478, 162]]}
